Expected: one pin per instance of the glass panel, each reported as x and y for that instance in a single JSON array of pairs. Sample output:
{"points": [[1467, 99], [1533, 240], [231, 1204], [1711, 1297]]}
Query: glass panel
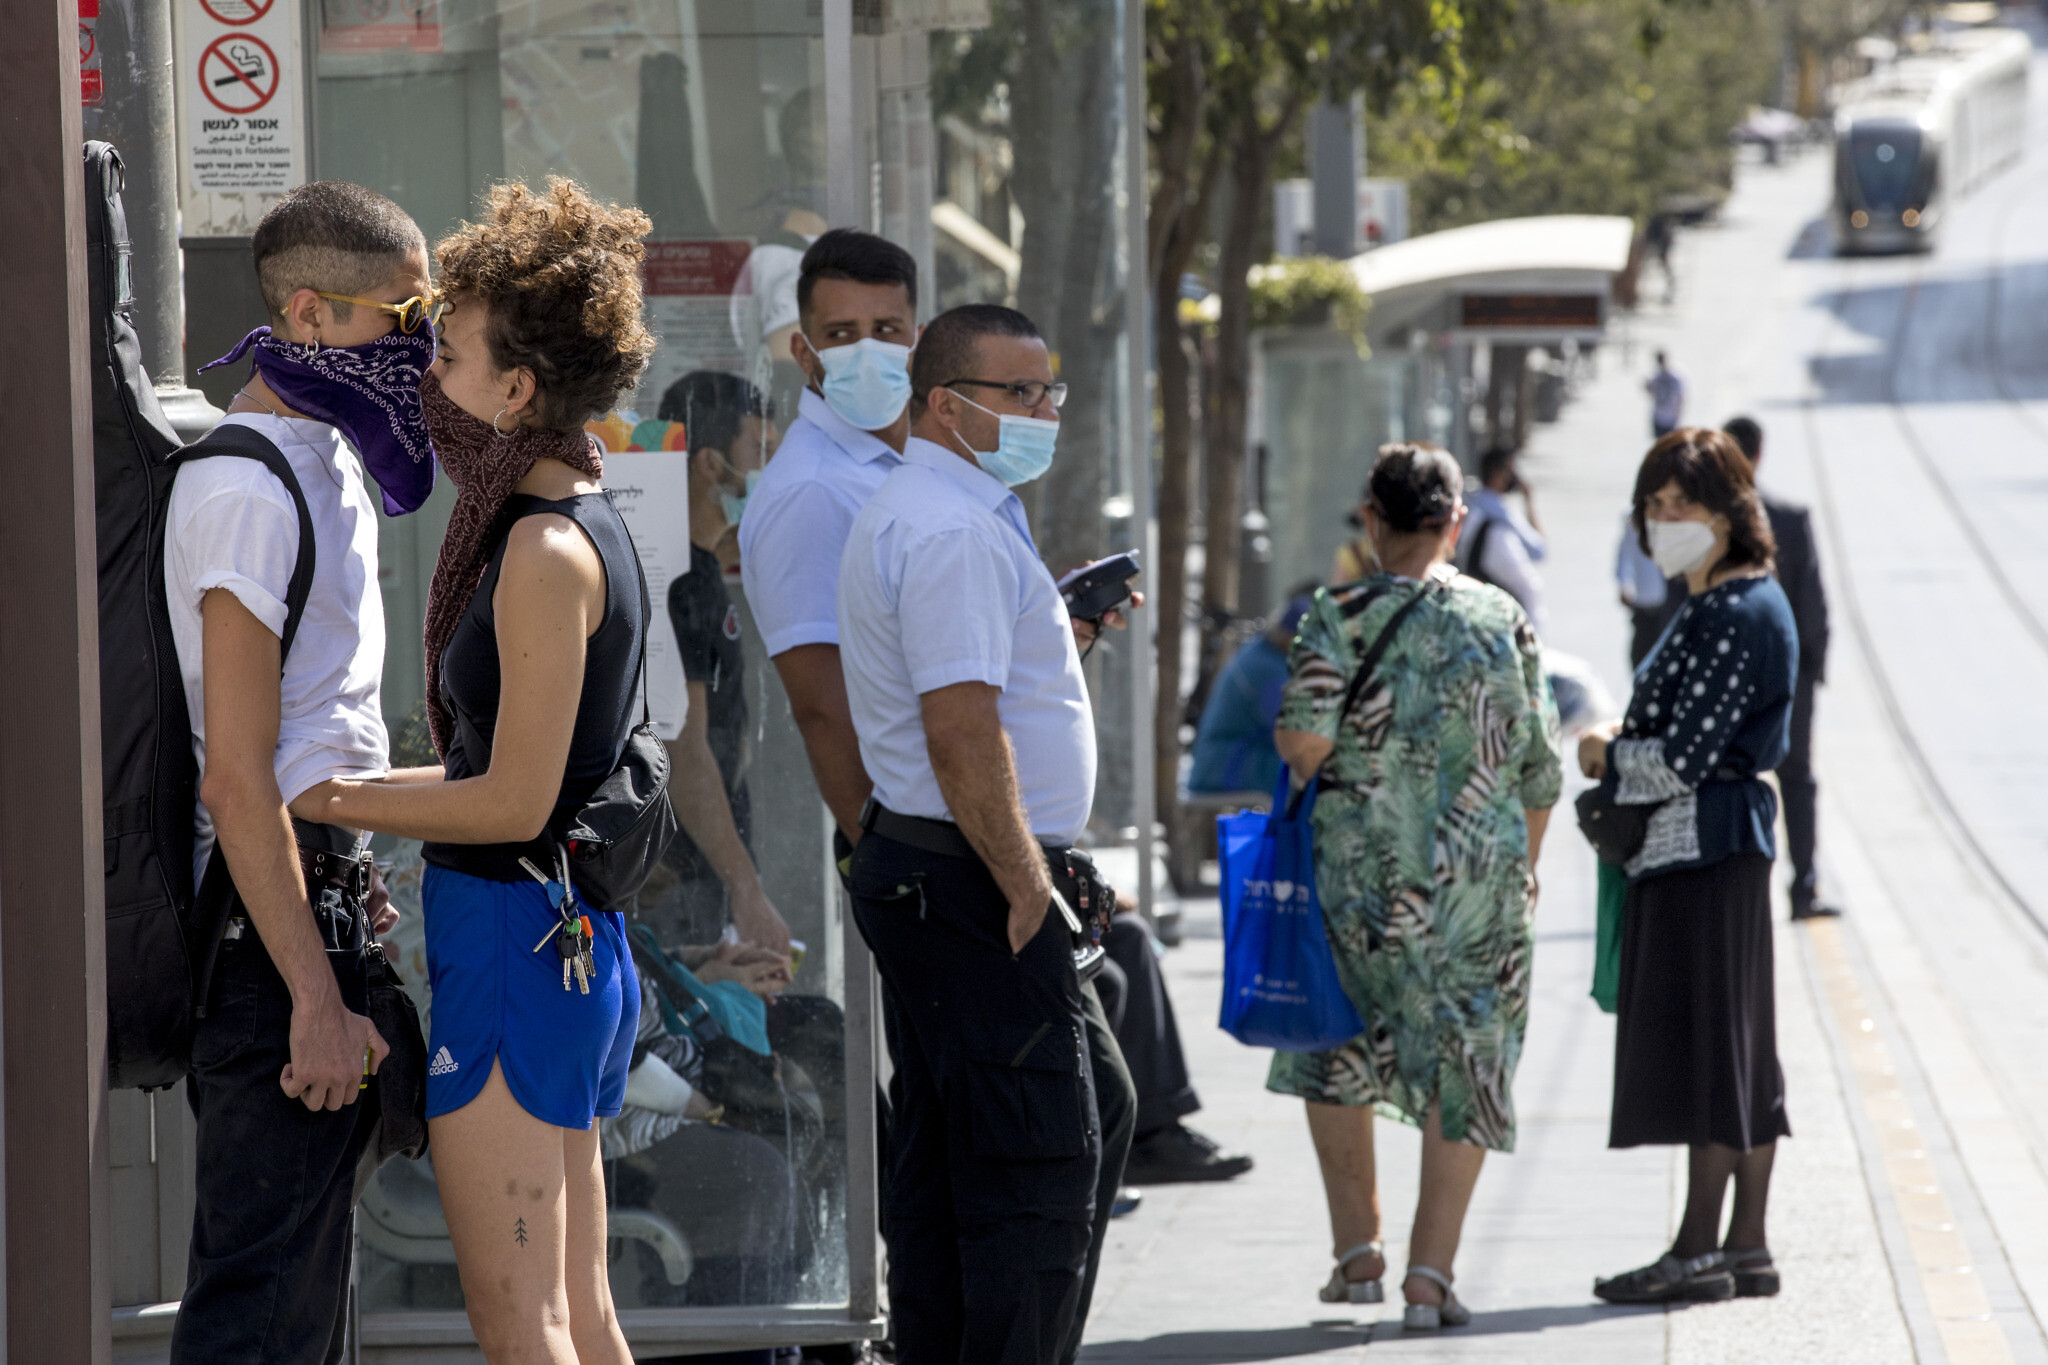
{"points": [[727, 1170], [1028, 209], [1326, 412]]}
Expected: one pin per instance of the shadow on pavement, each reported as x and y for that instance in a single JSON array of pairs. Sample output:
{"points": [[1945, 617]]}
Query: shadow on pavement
{"points": [[1286, 1343]]}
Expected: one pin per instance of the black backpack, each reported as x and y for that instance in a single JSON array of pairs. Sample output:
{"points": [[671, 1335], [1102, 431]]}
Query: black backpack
{"points": [[148, 775]]}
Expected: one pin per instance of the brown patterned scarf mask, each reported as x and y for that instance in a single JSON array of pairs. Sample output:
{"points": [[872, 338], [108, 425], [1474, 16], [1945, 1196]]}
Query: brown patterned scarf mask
{"points": [[485, 467]]}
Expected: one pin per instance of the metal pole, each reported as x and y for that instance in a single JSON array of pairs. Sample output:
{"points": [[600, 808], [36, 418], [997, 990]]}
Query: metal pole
{"points": [[139, 116], [1138, 444], [53, 1011]]}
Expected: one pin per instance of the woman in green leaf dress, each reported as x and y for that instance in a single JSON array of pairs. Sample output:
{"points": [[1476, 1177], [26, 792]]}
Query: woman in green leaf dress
{"points": [[1437, 782]]}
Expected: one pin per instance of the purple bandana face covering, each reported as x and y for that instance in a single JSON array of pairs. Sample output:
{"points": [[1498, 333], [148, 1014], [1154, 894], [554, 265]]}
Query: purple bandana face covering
{"points": [[371, 392]]}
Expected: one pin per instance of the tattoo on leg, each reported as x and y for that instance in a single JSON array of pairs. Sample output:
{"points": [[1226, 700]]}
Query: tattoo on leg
{"points": [[519, 1232]]}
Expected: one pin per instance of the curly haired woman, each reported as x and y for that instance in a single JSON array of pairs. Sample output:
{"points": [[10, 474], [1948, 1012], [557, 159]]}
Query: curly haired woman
{"points": [[534, 628]]}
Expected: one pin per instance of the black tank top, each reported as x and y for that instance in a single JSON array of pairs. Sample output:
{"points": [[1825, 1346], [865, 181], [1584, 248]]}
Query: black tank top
{"points": [[605, 714]]}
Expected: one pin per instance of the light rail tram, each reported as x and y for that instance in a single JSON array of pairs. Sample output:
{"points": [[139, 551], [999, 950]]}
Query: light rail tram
{"points": [[1926, 127]]}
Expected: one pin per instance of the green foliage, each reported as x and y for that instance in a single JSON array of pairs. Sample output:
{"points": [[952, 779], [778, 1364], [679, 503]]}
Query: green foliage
{"points": [[1596, 106], [1309, 291]]}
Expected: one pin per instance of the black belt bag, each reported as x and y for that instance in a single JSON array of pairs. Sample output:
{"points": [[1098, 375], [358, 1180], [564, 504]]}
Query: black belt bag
{"points": [[1080, 894]]}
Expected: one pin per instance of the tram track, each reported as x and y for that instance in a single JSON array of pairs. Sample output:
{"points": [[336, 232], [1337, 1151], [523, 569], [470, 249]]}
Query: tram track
{"points": [[2032, 910]]}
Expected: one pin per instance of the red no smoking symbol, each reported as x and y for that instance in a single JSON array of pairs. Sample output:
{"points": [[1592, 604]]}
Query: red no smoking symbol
{"points": [[238, 73], [237, 11]]}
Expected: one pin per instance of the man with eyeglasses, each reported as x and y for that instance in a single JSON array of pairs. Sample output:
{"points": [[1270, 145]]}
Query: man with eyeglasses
{"points": [[965, 686]]}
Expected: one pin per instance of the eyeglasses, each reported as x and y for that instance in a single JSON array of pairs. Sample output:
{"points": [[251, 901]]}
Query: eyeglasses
{"points": [[1030, 393], [416, 312]]}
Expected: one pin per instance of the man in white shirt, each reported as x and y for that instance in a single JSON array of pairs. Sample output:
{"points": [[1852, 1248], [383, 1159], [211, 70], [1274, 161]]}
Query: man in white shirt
{"points": [[856, 297], [280, 1055], [1667, 398], [973, 719]]}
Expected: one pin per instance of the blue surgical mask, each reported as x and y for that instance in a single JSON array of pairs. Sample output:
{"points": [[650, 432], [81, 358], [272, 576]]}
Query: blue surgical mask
{"points": [[735, 504], [1024, 445], [866, 383]]}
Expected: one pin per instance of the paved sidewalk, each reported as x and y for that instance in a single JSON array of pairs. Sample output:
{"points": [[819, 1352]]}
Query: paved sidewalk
{"points": [[1229, 1273]]}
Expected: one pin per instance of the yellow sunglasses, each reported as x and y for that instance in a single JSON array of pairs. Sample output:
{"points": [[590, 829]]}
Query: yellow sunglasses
{"points": [[414, 313]]}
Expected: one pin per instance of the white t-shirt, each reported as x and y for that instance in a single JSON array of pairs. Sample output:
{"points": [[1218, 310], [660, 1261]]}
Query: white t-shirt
{"points": [[232, 524]]}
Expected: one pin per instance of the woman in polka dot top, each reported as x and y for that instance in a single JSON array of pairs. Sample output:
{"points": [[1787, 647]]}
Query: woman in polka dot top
{"points": [[1696, 1058]]}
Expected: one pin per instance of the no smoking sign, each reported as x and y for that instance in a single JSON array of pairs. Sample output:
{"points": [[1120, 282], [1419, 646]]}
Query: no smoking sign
{"points": [[238, 73]]}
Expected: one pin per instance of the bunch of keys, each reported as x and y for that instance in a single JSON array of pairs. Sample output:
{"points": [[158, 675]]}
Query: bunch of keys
{"points": [[572, 935]]}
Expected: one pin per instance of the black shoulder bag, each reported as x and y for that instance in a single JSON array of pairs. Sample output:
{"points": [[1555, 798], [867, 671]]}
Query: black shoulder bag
{"points": [[621, 832]]}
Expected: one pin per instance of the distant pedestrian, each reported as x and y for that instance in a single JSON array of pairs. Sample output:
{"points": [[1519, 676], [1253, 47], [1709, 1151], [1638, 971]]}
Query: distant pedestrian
{"points": [[1502, 543], [1696, 1056], [1667, 398], [1354, 558], [1799, 575], [1657, 240], [1234, 743], [1439, 770]]}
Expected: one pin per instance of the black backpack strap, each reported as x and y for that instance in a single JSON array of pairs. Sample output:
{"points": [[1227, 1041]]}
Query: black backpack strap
{"points": [[232, 438], [1369, 661]]}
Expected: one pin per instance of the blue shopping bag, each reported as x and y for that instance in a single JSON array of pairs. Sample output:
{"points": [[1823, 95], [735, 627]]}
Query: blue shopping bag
{"points": [[1280, 986]]}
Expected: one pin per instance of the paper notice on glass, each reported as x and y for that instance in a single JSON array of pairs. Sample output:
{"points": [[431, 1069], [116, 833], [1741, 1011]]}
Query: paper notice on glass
{"points": [[690, 286], [652, 491]]}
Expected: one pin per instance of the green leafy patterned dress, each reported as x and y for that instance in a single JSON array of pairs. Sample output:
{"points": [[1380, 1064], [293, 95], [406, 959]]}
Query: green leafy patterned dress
{"points": [[1421, 846]]}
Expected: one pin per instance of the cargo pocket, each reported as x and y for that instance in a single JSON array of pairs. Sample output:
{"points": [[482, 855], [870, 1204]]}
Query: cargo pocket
{"points": [[1028, 1105]]}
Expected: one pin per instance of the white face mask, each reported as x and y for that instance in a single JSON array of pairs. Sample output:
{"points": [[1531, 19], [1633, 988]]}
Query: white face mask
{"points": [[1679, 547]]}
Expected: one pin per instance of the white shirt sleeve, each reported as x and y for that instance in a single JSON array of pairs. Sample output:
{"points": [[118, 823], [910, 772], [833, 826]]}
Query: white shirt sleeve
{"points": [[234, 526], [791, 567], [1508, 565], [957, 602]]}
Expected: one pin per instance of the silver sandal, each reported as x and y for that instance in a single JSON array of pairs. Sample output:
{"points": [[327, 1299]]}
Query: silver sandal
{"points": [[1428, 1317], [1341, 1290]]}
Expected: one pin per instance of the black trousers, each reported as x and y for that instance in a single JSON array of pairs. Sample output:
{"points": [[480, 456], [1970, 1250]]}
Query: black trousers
{"points": [[272, 1237], [1141, 1012], [1117, 1102], [995, 1146], [1801, 794]]}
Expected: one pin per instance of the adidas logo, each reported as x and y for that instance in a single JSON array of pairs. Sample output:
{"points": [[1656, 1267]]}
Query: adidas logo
{"points": [[443, 1064]]}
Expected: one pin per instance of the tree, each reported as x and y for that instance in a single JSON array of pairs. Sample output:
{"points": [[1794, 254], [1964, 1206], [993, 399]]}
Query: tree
{"points": [[1227, 83]]}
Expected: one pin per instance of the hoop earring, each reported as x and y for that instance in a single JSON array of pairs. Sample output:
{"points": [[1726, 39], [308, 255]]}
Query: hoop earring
{"points": [[504, 435], [315, 344]]}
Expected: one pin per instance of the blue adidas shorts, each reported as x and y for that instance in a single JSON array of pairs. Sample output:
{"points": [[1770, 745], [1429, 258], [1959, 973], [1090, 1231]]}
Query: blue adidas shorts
{"points": [[565, 1053]]}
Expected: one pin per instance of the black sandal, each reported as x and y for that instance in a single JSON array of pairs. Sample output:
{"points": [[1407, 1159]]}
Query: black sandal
{"points": [[1753, 1272], [1702, 1279]]}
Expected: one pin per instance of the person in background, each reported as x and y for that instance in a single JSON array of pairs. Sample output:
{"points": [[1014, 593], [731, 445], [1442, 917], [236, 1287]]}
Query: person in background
{"points": [[1695, 1042], [1234, 742], [1354, 558], [1502, 543], [1667, 397], [716, 882], [1439, 770], [1799, 575], [1650, 599]]}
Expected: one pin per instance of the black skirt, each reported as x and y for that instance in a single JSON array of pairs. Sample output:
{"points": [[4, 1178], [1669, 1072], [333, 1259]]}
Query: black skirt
{"points": [[1696, 1028]]}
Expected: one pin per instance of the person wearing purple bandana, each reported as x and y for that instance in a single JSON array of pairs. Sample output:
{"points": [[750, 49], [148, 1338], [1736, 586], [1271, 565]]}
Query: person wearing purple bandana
{"points": [[283, 1051]]}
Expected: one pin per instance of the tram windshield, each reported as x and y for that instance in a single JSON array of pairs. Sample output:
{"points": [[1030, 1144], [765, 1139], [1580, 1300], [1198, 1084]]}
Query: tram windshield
{"points": [[1886, 161]]}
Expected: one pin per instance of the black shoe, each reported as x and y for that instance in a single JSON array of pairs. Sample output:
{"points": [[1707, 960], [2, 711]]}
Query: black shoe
{"points": [[1177, 1155], [1126, 1202], [1703, 1279], [1815, 909], [1754, 1274]]}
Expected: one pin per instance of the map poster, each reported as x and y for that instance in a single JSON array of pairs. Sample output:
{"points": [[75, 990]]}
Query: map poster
{"points": [[241, 110]]}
